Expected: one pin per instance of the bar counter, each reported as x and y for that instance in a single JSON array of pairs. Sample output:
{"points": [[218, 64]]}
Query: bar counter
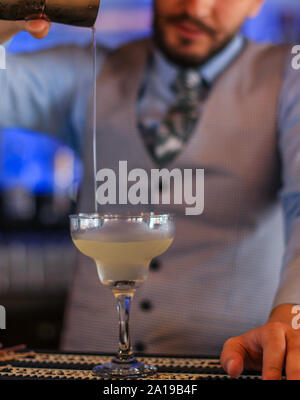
{"points": [[43, 365]]}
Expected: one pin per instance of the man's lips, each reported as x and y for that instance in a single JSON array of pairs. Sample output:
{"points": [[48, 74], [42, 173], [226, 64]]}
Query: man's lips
{"points": [[189, 31]]}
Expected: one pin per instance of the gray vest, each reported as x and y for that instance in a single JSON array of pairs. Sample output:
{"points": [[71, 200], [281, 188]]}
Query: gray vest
{"points": [[220, 276]]}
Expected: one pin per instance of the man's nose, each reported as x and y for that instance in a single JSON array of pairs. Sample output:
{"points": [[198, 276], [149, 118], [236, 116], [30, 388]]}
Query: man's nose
{"points": [[199, 8]]}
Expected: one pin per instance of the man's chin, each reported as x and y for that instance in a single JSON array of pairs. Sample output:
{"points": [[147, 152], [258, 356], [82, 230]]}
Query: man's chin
{"points": [[189, 54], [187, 58]]}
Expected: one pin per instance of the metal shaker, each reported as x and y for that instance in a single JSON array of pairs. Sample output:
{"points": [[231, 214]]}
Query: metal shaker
{"points": [[71, 12]]}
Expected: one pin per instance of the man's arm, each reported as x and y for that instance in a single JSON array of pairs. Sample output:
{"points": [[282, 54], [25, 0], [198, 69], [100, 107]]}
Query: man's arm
{"points": [[277, 343]]}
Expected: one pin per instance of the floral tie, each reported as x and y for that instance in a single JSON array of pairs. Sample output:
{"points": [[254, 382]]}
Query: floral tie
{"points": [[167, 139]]}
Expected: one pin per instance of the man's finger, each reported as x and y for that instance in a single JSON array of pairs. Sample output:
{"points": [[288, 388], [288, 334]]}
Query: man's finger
{"points": [[233, 356], [292, 366], [37, 28], [274, 350]]}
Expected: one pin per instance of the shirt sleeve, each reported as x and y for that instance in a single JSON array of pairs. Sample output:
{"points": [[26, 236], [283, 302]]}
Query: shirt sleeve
{"points": [[47, 91], [289, 148]]}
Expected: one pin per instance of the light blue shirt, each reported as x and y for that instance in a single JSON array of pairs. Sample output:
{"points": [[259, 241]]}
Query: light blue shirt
{"points": [[48, 91]]}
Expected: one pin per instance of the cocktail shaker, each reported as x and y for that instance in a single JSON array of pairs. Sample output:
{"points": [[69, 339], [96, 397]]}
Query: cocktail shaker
{"points": [[72, 12]]}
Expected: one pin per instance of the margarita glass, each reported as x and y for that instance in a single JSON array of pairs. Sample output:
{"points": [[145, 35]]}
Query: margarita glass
{"points": [[122, 247]]}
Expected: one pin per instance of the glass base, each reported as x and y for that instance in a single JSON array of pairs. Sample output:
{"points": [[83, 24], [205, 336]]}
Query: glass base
{"points": [[123, 369]]}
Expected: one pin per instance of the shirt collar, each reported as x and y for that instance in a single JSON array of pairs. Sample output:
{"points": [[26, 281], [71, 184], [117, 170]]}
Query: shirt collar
{"points": [[209, 71]]}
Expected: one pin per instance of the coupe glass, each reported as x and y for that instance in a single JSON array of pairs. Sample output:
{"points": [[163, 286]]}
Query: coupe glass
{"points": [[122, 247]]}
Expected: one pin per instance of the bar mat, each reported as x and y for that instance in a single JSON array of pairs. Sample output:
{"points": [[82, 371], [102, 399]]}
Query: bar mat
{"points": [[62, 366]]}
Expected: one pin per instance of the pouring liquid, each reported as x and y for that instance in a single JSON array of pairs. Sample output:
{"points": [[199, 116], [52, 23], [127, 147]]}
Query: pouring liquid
{"points": [[93, 113]]}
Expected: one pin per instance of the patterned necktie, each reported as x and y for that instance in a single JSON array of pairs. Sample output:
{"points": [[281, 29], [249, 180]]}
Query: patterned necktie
{"points": [[167, 139]]}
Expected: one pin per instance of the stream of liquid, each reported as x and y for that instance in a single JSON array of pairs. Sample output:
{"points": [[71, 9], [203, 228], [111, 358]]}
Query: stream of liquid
{"points": [[94, 114]]}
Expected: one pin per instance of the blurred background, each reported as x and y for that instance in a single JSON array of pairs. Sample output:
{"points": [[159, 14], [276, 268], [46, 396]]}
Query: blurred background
{"points": [[40, 179]]}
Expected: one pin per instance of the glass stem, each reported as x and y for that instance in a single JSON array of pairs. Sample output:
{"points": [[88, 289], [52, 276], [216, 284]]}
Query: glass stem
{"points": [[125, 352]]}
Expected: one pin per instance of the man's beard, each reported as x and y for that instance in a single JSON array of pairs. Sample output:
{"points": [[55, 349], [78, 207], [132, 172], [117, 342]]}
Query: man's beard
{"points": [[185, 60]]}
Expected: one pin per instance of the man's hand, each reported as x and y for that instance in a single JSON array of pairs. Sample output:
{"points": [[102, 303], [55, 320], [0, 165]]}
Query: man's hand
{"points": [[37, 28], [268, 348]]}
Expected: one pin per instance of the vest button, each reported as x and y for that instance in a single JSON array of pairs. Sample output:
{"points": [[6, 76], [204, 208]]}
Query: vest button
{"points": [[155, 265], [139, 346], [146, 305]]}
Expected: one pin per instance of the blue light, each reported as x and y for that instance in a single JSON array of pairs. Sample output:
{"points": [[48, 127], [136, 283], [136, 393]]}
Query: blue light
{"points": [[27, 161]]}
